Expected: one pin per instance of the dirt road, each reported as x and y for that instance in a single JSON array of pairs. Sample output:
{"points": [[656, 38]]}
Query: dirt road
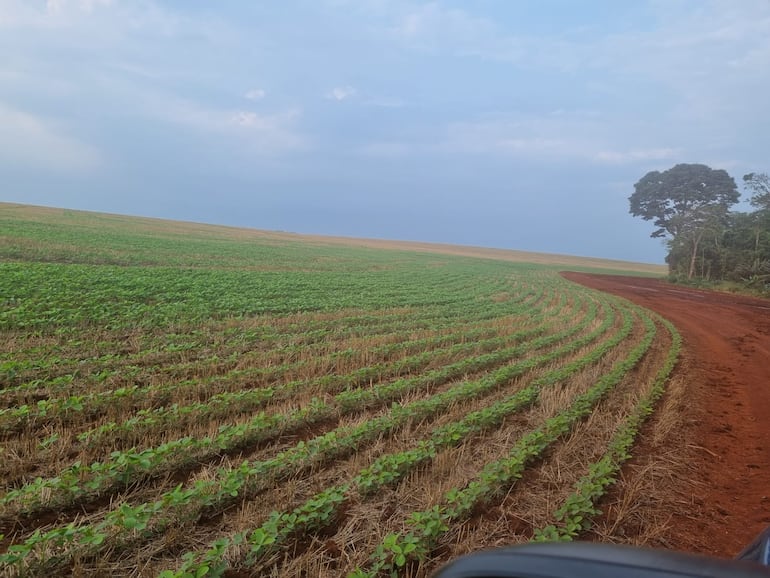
{"points": [[727, 365]]}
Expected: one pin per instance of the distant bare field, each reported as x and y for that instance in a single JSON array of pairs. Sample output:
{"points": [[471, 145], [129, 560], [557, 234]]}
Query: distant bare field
{"points": [[500, 254]]}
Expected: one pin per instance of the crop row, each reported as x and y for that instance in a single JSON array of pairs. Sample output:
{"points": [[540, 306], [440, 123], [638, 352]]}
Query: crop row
{"points": [[124, 467], [67, 409], [323, 509], [576, 513], [49, 298], [231, 404], [205, 495], [429, 525], [167, 350]]}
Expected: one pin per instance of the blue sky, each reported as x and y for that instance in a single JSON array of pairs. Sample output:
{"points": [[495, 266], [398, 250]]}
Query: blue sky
{"points": [[500, 123]]}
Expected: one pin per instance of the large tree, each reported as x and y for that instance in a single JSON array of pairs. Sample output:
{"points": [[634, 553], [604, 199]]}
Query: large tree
{"points": [[759, 185], [685, 203], [759, 220]]}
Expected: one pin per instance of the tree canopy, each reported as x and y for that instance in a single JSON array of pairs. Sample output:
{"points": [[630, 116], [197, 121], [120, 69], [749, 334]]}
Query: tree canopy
{"points": [[690, 206], [759, 185], [688, 202], [677, 199]]}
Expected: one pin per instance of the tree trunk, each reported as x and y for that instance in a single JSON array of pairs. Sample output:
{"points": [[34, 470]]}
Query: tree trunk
{"points": [[694, 256], [755, 267]]}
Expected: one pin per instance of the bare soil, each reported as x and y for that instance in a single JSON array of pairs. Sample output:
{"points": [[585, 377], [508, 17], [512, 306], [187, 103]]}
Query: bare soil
{"points": [[725, 500]]}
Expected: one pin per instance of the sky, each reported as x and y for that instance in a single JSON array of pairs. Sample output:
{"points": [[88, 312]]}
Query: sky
{"points": [[498, 123]]}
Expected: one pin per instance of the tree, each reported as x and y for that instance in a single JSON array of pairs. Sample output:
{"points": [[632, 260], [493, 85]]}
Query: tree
{"points": [[759, 184], [747, 240], [685, 203]]}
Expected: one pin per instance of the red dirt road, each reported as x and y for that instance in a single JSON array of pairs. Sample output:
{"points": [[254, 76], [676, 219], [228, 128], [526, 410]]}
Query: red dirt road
{"points": [[727, 371]]}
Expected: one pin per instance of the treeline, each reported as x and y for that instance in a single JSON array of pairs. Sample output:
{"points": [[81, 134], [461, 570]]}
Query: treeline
{"points": [[691, 204]]}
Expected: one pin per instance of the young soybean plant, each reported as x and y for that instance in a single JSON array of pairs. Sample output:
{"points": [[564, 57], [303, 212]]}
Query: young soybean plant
{"points": [[207, 494], [575, 515], [429, 525]]}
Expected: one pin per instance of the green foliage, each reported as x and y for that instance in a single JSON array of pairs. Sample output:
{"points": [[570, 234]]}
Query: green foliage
{"points": [[759, 185], [452, 332], [575, 514], [496, 477], [674, 199], [707, 242]]}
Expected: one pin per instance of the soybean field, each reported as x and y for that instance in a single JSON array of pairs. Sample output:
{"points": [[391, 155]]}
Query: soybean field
{"points": [[184, 400]]}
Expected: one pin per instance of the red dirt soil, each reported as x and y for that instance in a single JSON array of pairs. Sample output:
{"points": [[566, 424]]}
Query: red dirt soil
{"points": [[727, 353]]}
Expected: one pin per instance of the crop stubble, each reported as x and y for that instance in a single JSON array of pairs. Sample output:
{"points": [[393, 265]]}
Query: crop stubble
{"points": [[164, 410]]}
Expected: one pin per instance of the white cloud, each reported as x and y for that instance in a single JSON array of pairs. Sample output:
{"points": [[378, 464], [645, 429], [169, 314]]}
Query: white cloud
{"points": [[566, 136], [33, 142], [517, 136], [255, 94], [264, 133], [59, 6], [703, 63], [12, 12], [242, 118], [709, 60], [106, 23], [430, 24], [51, 14], [692, 44], [638, 155], [341, 93], [435, 28]]}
